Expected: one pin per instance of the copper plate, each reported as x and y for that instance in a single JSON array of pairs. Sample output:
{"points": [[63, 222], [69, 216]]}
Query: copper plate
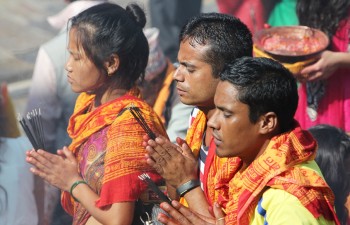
{"points": [[291, 43]]}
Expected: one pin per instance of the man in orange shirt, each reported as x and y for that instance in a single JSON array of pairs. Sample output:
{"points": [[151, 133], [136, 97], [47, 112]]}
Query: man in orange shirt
{"points": [[207, 43]]}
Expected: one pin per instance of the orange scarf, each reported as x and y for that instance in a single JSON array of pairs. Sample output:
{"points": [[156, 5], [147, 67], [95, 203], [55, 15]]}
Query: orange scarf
{"points": [[196, 131], [124, 158], [278, 168], [194, 139]]}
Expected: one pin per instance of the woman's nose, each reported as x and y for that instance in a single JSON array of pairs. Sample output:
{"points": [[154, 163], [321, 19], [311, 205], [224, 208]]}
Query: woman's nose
{"points": [[67, 67]]}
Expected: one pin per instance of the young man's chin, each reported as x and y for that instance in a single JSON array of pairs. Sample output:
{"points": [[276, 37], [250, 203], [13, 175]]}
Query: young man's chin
{"points": [[220, 153], [186, 101]]}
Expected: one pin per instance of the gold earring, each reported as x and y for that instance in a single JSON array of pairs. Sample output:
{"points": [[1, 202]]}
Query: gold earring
{"points": [[109, 72]]}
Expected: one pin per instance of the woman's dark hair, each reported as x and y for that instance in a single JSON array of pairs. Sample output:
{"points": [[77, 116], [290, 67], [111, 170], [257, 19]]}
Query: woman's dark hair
{"points": [[322, 14], [333, 158], [265, 86], [226, 36], [108, 29]]}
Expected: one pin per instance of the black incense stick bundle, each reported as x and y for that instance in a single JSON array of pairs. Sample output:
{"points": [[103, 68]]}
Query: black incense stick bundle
{"points": [[136, 112], [33, 128], [145, 177]]}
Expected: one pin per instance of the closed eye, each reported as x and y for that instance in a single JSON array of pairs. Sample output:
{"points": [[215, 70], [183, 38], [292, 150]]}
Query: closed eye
{"points": [[226, 113], [189, 67]]}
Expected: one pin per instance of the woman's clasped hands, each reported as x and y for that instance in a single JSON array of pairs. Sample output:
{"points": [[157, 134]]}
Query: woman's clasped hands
{"points": [[60, 170]]}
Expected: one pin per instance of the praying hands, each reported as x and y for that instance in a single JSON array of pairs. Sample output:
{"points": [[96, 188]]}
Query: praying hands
{"points": [[179, 167], [180, 214], [175, 163], [59, 170]]}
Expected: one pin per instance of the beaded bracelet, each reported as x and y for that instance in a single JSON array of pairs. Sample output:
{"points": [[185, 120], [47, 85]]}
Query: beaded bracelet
{"points": [[76, 183], [186, 187]]}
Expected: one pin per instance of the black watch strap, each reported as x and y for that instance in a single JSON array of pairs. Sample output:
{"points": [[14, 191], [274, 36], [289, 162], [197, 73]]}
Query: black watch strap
{"points": [[186, 187]]}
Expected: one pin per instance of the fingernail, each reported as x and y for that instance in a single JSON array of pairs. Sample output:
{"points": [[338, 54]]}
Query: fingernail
{"points": [[175, 203], [165, 205]]}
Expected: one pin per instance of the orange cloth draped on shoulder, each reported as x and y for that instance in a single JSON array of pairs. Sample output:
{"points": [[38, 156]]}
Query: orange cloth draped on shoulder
{"points": [[196, 131], [194, 139], [278, 167], [212, 176], [164, 92], [124, 159]]}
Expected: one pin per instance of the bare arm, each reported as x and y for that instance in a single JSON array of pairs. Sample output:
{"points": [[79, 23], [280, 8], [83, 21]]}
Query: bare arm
{"points": [[172, 192], [118, 213], [326, 65]]}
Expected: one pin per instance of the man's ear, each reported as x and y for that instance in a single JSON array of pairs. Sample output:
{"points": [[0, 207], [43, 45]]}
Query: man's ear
{"points": [[112, 64], [268, 123]]}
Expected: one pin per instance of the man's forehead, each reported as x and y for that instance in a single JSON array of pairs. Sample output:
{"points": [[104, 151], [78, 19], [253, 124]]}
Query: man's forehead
{"points": [[198, 52]]}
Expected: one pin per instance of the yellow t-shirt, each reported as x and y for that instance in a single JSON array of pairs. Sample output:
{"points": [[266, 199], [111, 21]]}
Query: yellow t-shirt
{"points": [[278, 207]]}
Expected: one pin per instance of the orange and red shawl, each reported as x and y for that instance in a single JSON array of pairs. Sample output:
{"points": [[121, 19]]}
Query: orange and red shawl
{"points": [[194, 139], [124, 159], [278, 168]]}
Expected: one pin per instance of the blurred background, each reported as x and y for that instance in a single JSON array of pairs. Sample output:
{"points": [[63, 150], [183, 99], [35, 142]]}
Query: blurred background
{"points": [[23, 28]]}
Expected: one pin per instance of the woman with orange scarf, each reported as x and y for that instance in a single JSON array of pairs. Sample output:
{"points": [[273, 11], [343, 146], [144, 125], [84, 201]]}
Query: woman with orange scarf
{"points": [[98, 172], [275, 180]]}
